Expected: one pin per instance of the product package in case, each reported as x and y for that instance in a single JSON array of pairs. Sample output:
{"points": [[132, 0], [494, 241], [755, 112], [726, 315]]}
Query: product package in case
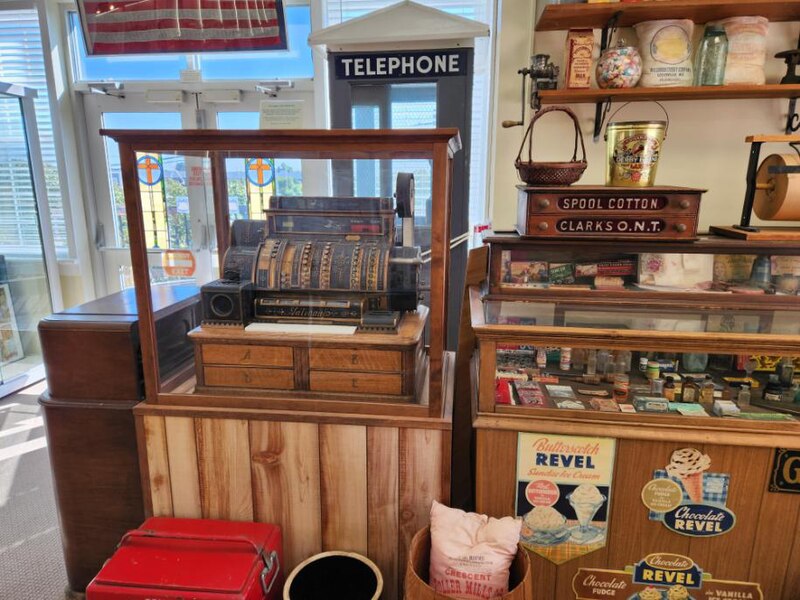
{"points": [[172, 559]]}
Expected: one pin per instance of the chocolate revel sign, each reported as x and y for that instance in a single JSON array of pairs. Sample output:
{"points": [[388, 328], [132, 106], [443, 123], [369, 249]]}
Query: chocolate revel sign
{"points": [[660, 575], [401, 65]]}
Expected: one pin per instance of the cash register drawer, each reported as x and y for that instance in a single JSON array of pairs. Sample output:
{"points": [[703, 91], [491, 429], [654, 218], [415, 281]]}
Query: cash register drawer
{"points": [[249, 377], [359, 383], [351, 359], [240, 354]]}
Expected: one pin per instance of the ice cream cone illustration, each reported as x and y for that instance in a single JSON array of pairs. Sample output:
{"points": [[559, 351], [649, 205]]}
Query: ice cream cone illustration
{"points": [[693, 484], [688, 465]]}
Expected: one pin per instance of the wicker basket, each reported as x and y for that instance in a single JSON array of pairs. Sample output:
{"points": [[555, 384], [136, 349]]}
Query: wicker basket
{"points": [[551, 173], [520, 581]]}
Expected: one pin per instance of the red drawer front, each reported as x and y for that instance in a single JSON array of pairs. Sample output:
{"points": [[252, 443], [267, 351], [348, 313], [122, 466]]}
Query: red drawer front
{"points": [[171, 559]]}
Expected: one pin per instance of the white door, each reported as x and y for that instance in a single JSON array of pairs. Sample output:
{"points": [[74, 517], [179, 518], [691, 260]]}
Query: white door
{"points": [[176, 190]]}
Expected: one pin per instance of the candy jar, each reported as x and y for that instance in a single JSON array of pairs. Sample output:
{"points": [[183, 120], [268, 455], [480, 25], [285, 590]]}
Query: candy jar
{"points": [[619, 67]]}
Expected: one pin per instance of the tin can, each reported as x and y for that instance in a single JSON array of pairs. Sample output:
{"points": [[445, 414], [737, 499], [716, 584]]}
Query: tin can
{"points": [[565, 361], [653, 370], [621, 387], [633, 149]]}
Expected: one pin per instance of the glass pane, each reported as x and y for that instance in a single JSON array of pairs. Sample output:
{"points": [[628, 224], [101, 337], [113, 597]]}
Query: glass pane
{"points": [[729, 274], [647, 381], [396, 106], [252, 182], [167, 183], [413, 106], [24, 289], [148, 67], [641, 318], [177, 209], [294, 63], [22, 62]]}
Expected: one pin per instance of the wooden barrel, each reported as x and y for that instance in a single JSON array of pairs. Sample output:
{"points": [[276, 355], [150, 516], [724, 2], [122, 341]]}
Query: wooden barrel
{"points": [[520, 583], [334, 574]]}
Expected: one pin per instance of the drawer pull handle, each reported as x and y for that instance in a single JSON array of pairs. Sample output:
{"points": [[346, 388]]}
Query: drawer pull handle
{"points": [[685, 204], [542, 226], [680, 227], [544, 203], [246, 355], [246, 377], [354, 359]]}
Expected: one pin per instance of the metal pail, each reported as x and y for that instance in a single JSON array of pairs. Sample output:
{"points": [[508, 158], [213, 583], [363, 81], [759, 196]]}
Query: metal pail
{"points": [[633, 149]]}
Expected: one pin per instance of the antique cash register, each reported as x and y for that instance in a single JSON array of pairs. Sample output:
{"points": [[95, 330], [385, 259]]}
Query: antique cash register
{"points": [[321, 297]]}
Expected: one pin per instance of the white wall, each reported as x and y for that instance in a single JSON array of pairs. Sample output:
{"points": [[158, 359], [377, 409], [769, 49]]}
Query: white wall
{"points": [[705, 145]]}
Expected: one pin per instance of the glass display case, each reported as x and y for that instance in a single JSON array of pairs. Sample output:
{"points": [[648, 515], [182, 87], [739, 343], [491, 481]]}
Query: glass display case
{"points": [[640, 331], [307, 296], [610, 362]]}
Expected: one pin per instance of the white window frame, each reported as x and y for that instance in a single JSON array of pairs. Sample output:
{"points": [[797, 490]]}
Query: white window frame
{"points": [[107, 256]]}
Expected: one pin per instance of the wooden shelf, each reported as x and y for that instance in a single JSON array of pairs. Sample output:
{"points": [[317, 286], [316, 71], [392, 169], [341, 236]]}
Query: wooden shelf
{"points": [[640, 94], [565, 16]]}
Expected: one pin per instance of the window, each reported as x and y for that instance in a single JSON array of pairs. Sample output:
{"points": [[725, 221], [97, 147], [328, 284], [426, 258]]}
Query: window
{"points": [[22, 62], [293, 63], [338, 11], [253, 181], [162, 182], [398, 106]]}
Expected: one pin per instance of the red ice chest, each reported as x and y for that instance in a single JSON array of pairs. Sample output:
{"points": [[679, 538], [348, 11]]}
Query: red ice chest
{"points": [[193, 559]]}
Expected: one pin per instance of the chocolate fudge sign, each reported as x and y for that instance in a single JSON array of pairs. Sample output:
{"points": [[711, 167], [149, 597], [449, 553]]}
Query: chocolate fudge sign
{"points": [[785, 471], [660, 576], [401, 65], [563, 493], [609, 225], [687, 499], [627, 204]]}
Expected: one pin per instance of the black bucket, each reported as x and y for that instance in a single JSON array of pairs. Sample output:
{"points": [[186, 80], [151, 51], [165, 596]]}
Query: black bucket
{"points": [[334, 575]]}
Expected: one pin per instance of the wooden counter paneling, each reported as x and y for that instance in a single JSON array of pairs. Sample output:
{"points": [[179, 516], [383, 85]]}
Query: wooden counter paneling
{"points": [[286, 483], [329, 485], [223, 461], [343, 469], [763, 547]]}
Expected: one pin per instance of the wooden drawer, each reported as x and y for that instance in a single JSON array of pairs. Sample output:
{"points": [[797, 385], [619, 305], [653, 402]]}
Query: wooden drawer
{"points": [[241, 354], [249, 377], [357, 383], [611, 201], [354, 360], [618, 227]]}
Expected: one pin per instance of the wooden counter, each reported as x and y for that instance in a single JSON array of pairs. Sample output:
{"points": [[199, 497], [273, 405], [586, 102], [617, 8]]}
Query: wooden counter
{"points": [[763, 547], [362, 482]]}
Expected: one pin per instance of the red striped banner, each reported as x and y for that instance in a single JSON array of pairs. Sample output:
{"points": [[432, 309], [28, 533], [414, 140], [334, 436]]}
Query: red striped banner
{"points": [[148, 26]]}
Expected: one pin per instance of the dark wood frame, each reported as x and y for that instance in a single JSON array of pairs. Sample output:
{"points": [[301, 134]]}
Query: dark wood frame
{"points": [[438, 145]]}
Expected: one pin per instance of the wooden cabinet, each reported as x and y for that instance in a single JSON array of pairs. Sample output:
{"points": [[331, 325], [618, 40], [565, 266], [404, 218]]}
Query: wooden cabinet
{"points": [[94, 373], [325, 367], [546, 330]]}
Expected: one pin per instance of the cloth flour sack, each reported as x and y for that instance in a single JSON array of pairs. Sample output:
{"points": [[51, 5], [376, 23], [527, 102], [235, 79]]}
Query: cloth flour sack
{"points": [[747, 50], [666, 49], [471, 554]]}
